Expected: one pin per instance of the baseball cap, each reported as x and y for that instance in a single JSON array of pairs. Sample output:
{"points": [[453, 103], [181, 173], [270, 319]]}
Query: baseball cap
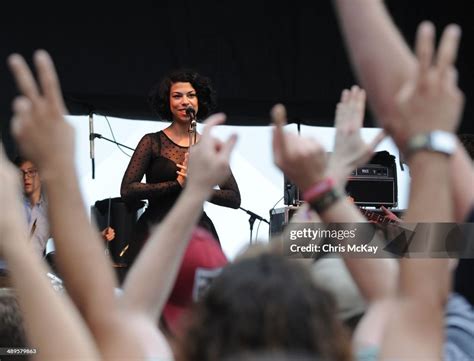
{"points": [[332, 274], [202, 262]]}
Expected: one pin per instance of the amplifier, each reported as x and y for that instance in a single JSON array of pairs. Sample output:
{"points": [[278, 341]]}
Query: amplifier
{"points": [[279, 218], [371, 171], [373, 185]]}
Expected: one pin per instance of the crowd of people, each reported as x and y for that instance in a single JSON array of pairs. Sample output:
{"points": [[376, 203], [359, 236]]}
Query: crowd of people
{"points": [[182, 299]]}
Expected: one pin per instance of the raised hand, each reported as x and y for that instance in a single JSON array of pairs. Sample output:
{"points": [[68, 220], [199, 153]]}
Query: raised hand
{"points": [[38, 124], [48, 140], [40, 304], [431, 100], [209, 159], [303, 160], [350, 151]]}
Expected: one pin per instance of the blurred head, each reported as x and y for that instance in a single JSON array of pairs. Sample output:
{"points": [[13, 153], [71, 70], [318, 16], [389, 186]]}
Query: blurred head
{"points": [[202, 262], [273, 356], [261, 304], [12, 333], [180, 89], [30, 177]]}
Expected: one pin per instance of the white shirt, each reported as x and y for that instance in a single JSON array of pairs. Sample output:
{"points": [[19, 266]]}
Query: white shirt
{"points": [[37, 218]]}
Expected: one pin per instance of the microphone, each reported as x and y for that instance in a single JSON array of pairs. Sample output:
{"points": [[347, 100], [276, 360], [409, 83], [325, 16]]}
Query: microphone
{"points": [[254, 215], [190, 112], [91, 143]]}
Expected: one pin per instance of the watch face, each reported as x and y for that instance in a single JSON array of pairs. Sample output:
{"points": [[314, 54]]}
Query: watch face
{"points": [[420, 141]]}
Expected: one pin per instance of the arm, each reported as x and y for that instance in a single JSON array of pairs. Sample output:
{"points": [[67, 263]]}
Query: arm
{"points": [[462, 178], [132, 188], [376, 278], [424, 283], [44, 137], [228, 195], [159, 262], [383, 62], [429, 101], [67, 334], [380, 57], [47, 139]]}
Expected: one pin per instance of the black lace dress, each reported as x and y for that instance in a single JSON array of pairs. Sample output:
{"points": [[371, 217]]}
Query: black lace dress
{"points": [[156, 157]]}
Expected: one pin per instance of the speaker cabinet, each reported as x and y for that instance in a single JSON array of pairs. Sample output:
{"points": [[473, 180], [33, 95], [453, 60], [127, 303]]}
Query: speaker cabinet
{"points": [[279, 218], [374, 185]]}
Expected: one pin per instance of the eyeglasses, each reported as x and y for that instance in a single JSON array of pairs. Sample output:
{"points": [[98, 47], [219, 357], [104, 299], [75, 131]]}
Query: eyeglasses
{"points": [[30, 173]]}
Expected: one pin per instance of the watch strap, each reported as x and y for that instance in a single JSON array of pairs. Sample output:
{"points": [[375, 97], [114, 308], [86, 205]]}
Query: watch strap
{"points": [[435, 141]]}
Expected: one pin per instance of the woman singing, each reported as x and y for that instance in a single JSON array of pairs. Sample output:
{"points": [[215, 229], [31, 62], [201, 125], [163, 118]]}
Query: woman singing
{"points": [[162, 156]]}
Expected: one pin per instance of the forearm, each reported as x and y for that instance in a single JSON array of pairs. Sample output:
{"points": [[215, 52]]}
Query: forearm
{"points": [[226, 198], [430, 189], [380, 57], [67, 336], [137, 191], [424, 283], [414, 332], [415, 327], [80, 257], [342, 211], [228, 195], [376, 278], [430, 202], [159, 261], [462, 183]]}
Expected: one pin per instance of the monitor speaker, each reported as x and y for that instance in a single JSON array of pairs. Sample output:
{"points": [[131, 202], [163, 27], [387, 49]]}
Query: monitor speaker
{"points": [[279, 218]]}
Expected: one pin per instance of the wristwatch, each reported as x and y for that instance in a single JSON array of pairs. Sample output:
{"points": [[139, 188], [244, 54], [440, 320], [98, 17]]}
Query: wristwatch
{"points": [[435, 141]]}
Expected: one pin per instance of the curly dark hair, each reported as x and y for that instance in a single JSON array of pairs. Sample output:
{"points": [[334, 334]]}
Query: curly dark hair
{"points": [[159, 97], [265, 303]]}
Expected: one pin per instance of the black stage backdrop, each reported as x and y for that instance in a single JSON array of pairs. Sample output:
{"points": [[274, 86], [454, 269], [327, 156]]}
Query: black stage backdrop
{"points": [[256, 53]]}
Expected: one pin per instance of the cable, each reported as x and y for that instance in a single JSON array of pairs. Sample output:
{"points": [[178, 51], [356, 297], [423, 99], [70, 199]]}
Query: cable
{"points": [[271, 209], [271, 213], [258, 227], [113, 137]]}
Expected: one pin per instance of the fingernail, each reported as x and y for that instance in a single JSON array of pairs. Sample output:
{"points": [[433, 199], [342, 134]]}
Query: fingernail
{"points": [[455, 29], [14, 58]]}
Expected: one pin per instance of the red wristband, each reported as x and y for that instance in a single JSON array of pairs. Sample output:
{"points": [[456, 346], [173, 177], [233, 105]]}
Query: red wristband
{"points": [[317, 190]]}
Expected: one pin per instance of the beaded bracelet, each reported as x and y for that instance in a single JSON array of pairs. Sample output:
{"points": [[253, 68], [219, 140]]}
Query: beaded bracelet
{"points": [[325, 200], [322, 195], [318, 189]]}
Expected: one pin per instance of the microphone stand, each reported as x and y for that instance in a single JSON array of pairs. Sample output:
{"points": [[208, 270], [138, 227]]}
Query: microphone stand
{"points": [[96, 135], [91, 142], [253, 217], [192, 128]]}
